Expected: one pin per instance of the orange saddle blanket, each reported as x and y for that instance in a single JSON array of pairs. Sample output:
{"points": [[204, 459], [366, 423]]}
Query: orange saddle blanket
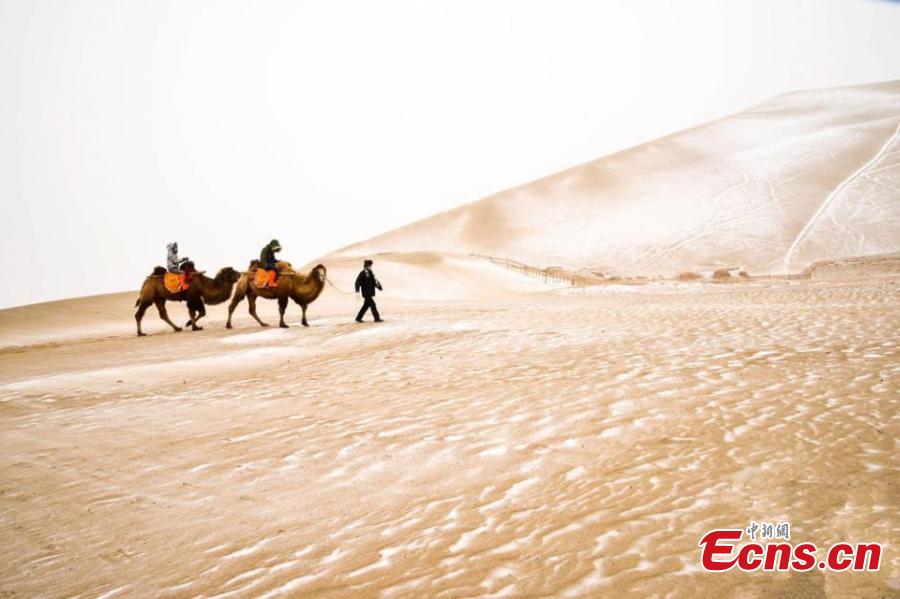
{"points": [[263, 278], [176, 282]]}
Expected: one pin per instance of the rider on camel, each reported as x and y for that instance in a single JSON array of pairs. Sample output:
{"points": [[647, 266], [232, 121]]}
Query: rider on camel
{"points": [[181, 266], [268, 261]]}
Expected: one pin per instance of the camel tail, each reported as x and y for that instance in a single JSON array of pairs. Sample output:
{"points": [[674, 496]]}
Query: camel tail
{"points": [[140, 294]]}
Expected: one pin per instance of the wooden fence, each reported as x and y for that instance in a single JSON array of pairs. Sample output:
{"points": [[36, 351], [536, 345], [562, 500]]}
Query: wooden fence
{"points": [[554, 275]]}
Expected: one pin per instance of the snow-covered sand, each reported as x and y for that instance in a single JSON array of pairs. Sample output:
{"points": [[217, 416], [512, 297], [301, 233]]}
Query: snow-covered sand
{"points": [[808, 176], [498, 434], [501, 437]]}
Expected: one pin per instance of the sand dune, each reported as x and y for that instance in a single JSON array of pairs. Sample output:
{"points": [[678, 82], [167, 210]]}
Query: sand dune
{"points": [[808, 176], [424, 276]]}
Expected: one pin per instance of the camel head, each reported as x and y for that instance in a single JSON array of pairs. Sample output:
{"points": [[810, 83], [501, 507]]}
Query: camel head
{"points": [[319, 272]]}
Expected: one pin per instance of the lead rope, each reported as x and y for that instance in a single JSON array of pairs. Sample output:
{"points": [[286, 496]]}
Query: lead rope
{"points": [[328, 280]]}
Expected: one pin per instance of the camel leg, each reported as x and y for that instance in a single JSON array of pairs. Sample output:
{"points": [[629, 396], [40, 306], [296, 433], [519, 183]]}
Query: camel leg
{"points": [[306, 324], [161, 307], [251, 299], [139, 316], [238, 297], [282, 306], [202, 312], [193, 312]]}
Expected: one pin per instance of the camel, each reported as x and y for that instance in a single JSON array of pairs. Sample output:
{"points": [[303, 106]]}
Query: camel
{"points": [[302, 288], [202, 291]]}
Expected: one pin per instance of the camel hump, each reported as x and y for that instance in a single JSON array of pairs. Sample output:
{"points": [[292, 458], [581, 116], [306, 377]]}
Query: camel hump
{"points": [[285, 267], [158, 271]]}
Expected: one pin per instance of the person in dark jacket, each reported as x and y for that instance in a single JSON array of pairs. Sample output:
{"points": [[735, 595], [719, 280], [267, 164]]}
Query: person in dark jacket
{"points": [[367, 283], [268, 261]]}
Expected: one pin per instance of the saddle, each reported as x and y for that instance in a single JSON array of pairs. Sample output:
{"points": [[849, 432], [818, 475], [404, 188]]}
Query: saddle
{"points": [[263, 278], [177, 282]]}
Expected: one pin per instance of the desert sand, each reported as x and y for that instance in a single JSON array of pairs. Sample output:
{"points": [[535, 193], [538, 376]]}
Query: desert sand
{"points": [[495, 436]]}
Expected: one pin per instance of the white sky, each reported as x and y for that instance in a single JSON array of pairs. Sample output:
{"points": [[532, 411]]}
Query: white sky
{"points": [[128, 124]]}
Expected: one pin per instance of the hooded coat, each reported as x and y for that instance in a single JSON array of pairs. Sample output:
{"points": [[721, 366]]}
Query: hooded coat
{"points": [[267, 255]]}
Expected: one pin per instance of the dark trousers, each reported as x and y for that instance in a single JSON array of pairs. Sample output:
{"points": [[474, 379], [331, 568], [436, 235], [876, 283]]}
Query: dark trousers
{"points": [[369, 303]]}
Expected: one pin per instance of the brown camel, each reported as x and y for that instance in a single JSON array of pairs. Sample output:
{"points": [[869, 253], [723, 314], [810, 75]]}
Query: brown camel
{"points": [[302, 288], [202, 291]]}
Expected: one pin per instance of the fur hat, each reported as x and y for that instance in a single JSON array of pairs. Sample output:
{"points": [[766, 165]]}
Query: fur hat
{"points": [[367, 263]]}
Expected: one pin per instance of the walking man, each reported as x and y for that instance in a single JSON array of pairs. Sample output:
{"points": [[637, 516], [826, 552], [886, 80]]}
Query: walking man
{"points": [[367, 282]]}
